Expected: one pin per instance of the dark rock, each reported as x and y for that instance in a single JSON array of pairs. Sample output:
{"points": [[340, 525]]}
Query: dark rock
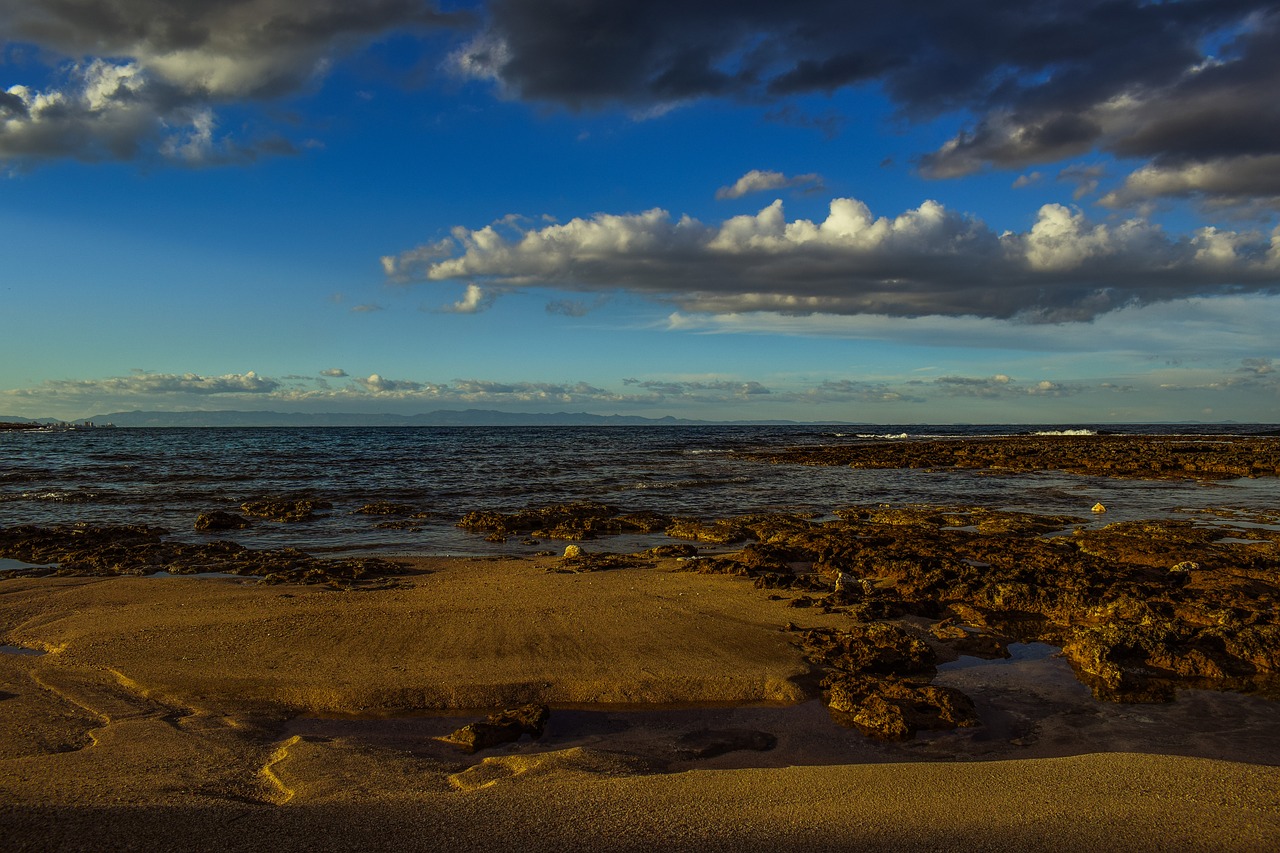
{"points": [[219, 520], [503, 727], [873, 647], [138, 550], [283, 509], [1146, 457], [572, 521], [672, 551], [894, 709]]}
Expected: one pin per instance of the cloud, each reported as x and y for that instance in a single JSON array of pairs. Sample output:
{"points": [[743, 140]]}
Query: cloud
{"points": [[1226, 181], [366, 308], [701, 390], [144, 77], [758, 181], [924, 261], [334, 372], [150, 384], [474, 301], [1168, 83]]}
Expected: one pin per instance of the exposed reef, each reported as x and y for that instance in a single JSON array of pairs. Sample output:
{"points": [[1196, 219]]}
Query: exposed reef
{"points": [[135, 549], [1146, 457]]}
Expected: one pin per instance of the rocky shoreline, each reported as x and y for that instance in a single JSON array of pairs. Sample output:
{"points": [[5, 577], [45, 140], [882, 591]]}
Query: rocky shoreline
{"points": [[1138, 608], [1127, 456]]}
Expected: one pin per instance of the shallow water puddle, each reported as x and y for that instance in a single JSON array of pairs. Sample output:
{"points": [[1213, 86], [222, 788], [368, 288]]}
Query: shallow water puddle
{"points": [[8, 564], [1018, 653], [21, 650]]}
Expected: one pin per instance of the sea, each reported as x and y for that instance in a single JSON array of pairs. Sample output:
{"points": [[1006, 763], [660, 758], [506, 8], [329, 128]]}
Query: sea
{"points": [[167, 477]]}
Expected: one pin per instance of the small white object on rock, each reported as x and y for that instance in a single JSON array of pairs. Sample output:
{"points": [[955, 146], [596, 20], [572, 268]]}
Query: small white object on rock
{"points": [[1098, 507], [573, 551]]}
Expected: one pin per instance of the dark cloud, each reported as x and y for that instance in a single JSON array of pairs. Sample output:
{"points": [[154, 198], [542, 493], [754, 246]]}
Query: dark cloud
{"points": [[1170, 83], [139, 77]]}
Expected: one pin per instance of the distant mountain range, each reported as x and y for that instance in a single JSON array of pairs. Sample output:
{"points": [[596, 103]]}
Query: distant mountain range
{"points": [[468, 417]]}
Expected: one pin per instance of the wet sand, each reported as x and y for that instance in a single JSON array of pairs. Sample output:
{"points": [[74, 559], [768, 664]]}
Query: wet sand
{"points": [[181, 713]]}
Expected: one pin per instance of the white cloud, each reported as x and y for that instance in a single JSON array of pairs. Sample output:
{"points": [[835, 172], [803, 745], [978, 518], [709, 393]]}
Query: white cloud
{"points": [[475, 300], [924, 261], [761, 181]]}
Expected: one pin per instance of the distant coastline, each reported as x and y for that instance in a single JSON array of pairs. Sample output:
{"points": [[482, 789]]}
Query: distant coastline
{"points": [[441, 417]]}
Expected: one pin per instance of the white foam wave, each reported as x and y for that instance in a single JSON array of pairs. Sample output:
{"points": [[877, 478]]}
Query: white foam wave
{"points": [[1066, 432]]}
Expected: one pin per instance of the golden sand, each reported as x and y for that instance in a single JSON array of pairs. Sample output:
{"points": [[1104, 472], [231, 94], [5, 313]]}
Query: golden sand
{"points": [[195, 713]]}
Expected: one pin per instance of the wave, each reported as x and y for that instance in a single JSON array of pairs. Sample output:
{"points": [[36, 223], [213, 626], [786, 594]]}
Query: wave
{"points": [[1066, 432], [58, 497], [895, 436]]}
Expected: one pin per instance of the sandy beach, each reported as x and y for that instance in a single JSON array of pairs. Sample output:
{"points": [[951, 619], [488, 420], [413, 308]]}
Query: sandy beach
{"points": [[186, 713]]}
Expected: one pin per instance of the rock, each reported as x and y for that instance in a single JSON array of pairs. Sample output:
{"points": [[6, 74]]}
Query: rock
{"points": [[878, 647], [284, 509], [1146, 457], [503, 727], [572, 551], [1098, 507], [85, 551], [677, 551], [894, 709], [219, 520], [572, 521], [1185, 566]]}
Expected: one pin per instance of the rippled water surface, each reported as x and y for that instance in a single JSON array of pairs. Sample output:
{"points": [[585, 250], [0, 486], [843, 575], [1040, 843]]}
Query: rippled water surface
{"points": [[167, 477]]}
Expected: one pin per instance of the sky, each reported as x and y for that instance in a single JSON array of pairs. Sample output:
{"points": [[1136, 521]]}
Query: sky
{"points": [[836, 210]]}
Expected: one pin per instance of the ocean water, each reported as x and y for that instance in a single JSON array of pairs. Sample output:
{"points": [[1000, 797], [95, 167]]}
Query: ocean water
{"points": [[167, 477]]}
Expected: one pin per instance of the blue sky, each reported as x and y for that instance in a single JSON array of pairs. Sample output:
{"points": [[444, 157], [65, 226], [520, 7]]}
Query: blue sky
{"points": [[990, 212]]}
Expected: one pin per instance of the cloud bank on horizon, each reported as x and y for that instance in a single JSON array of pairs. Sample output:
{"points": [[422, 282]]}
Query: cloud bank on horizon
{"points": [[1146, 133], [905, 400]]}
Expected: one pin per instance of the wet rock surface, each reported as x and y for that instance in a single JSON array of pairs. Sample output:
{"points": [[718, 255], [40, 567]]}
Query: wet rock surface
{"points": [[284, 509], [141, 550], [896, 709], [571, 521], [1113, 456], [209, 522]]}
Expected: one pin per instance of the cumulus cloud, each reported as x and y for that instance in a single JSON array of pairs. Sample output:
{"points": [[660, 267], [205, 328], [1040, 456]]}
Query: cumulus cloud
{"points": [[333, 372], [144, 77], [147, 384], [760, 181], [475, 300], [1169, 83], [924, 261], [701, 390]]}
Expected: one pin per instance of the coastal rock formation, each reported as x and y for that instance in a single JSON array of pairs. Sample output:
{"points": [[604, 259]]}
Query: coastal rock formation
{"points": [[503, 727], [1146, 456], [1138, 607], [284, 509], [871, 647], [895, 709], [571, 521], [82, 550], [207, 522]]}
